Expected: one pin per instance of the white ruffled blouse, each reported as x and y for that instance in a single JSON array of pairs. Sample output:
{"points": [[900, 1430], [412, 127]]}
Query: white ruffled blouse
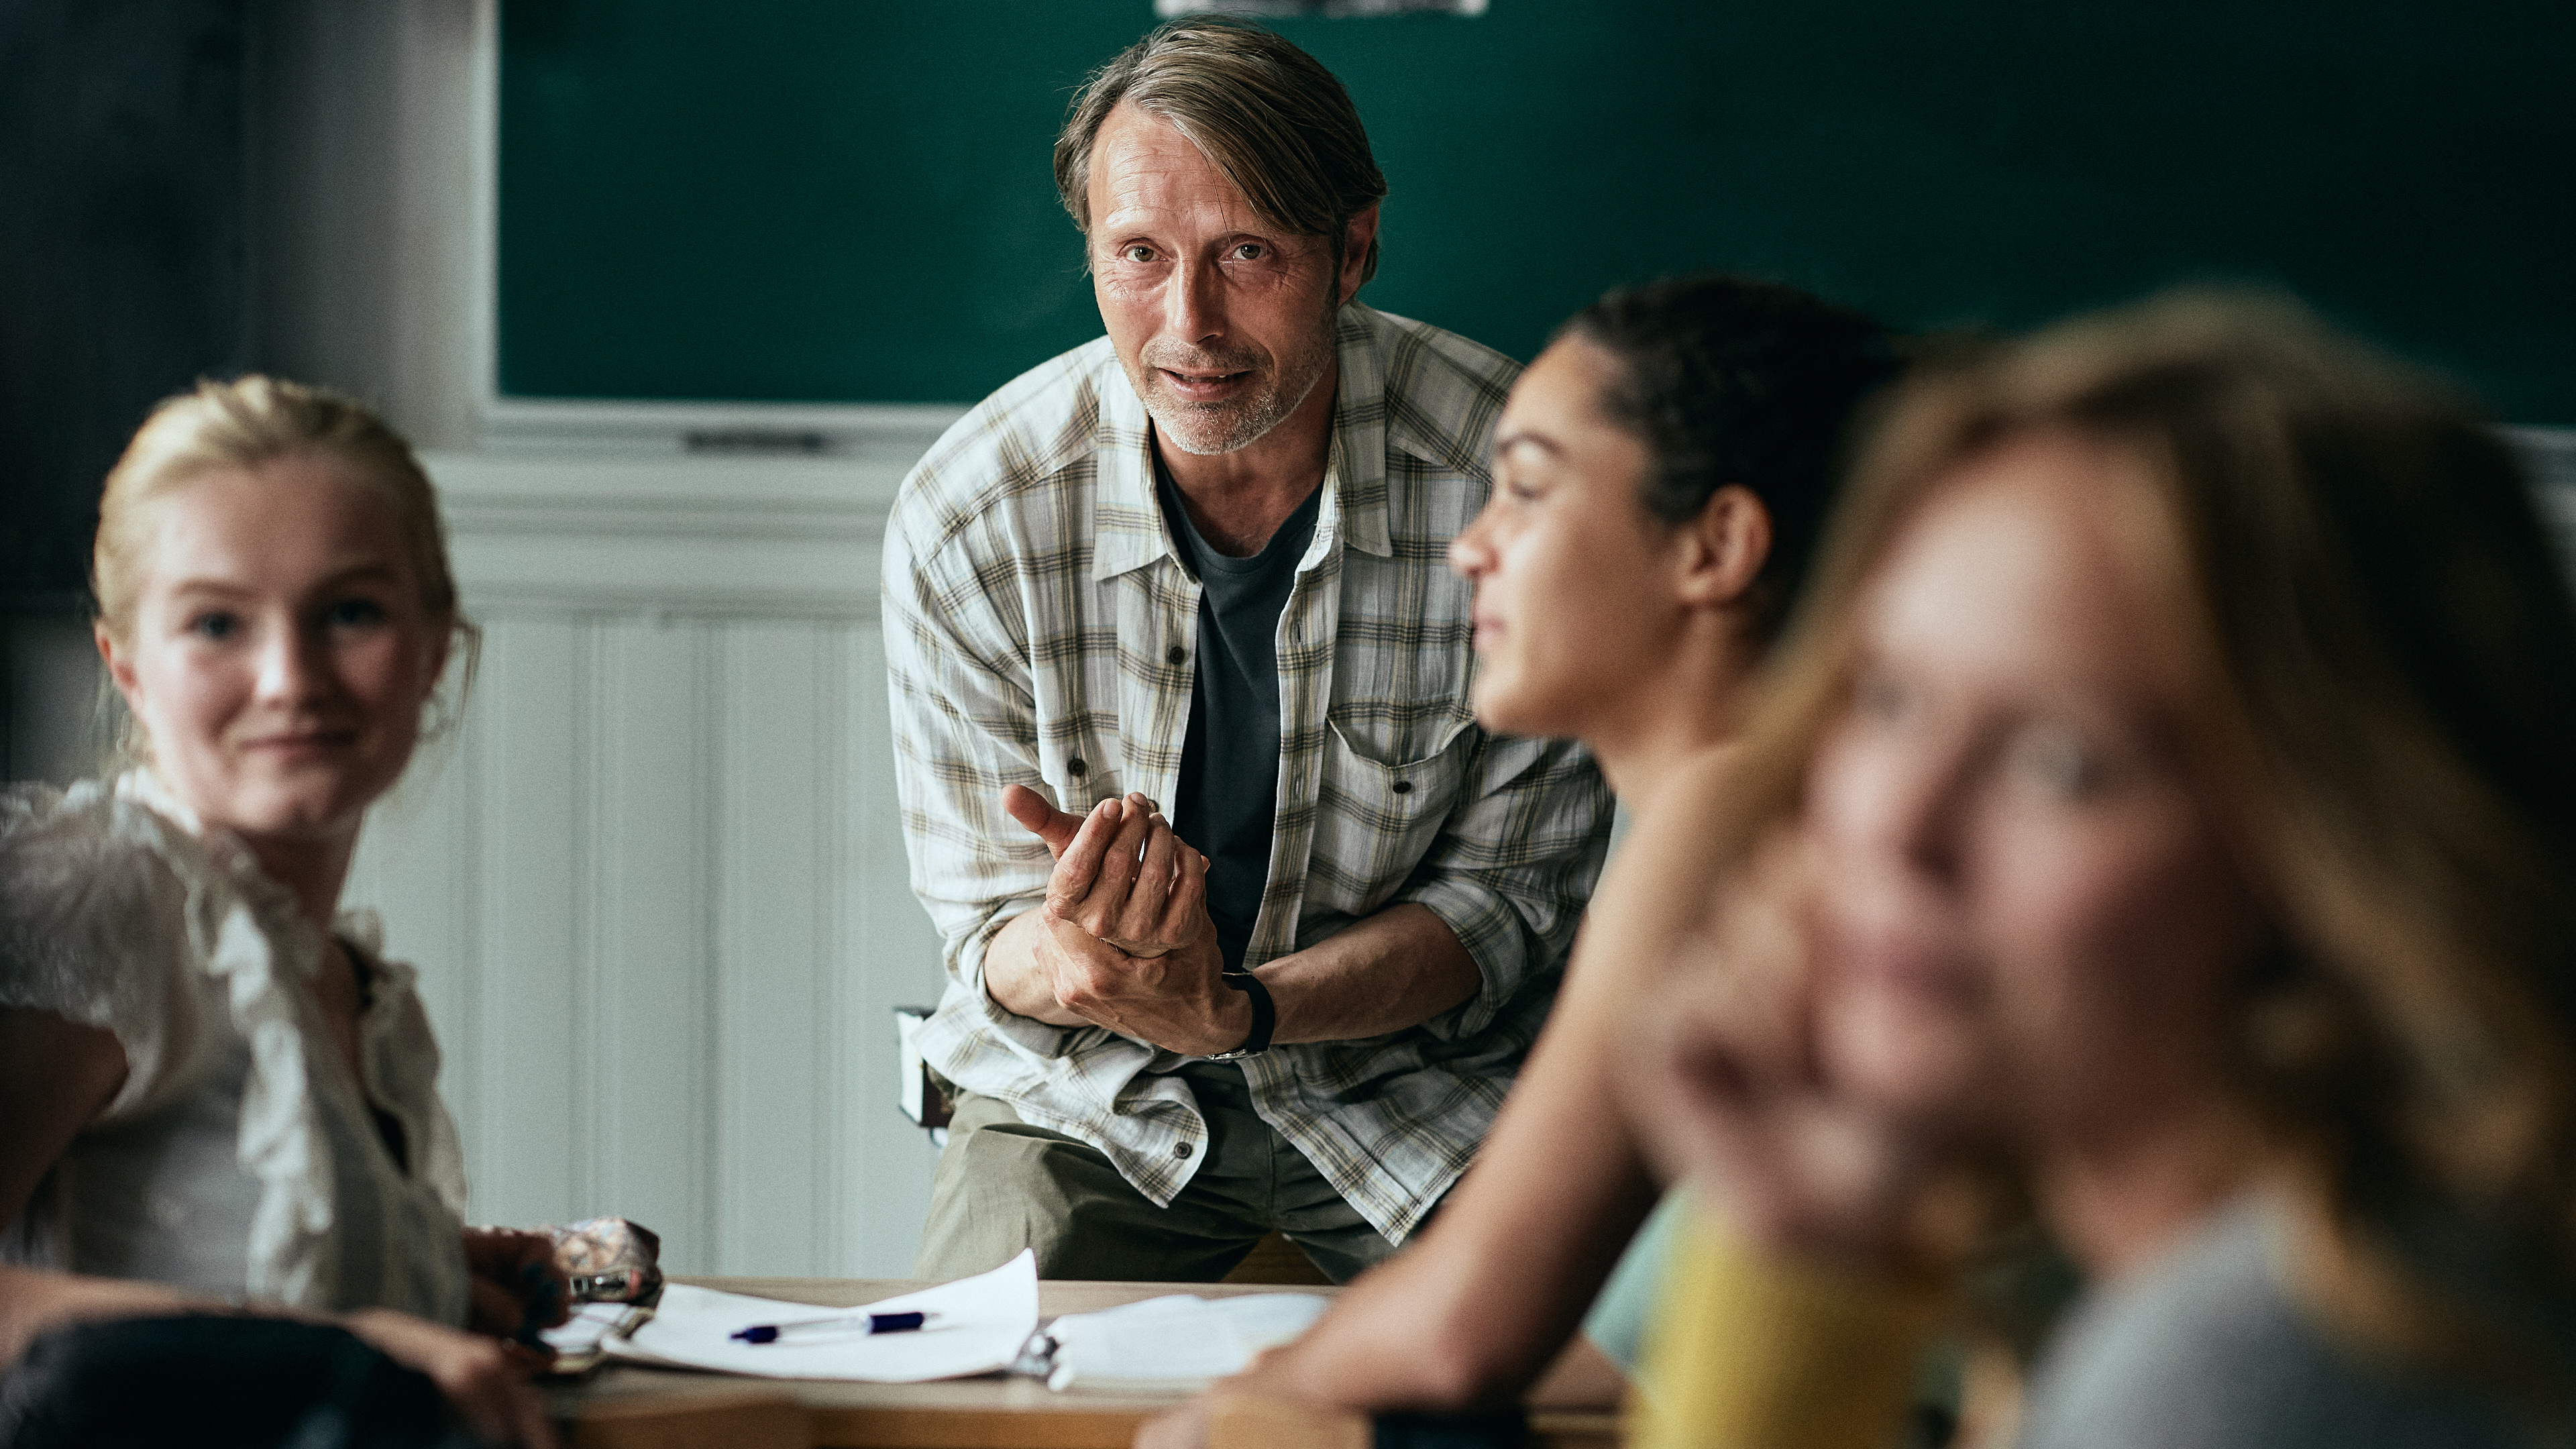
{"points": [[239, 1157]]}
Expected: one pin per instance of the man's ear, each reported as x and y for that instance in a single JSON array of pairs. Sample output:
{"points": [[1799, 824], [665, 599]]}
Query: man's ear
{"points": [[1724, 548], [1357, 238]]}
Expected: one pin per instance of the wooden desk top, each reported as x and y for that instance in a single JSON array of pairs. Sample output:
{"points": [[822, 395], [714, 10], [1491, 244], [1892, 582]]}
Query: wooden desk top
{"points": [[991, 1412]]}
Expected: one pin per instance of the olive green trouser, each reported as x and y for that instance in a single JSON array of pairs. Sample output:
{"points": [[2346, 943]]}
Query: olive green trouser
{"points": [[1004, 1185]]}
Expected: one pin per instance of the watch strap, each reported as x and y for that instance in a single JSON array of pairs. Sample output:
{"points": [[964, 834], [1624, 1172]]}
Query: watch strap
{"points": [[1265, 1016]]}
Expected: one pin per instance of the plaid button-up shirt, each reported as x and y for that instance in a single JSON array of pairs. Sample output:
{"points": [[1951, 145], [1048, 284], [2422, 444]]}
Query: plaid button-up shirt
{"points": [[1040, 630]]}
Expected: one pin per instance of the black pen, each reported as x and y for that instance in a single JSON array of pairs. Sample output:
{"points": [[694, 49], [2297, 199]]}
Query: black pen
{"points": [[864, 1322]]}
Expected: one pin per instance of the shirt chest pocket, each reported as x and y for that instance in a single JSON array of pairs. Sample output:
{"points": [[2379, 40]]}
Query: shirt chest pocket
{"points": [[1380, 804]]}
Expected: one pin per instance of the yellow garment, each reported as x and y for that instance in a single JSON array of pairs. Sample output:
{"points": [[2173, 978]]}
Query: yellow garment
{"points": [[1754, 1351]]}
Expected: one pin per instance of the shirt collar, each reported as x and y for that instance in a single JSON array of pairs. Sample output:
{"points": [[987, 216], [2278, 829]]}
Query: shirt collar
{"points": [[1128, 528], [144, 787]]}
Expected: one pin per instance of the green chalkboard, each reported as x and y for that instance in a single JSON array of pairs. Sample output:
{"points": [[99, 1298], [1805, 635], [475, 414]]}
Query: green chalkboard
{"points": [[841, 201]]}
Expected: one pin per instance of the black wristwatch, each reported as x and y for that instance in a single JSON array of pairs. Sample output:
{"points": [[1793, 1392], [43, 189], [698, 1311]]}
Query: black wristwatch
{"points": [[1265, 1016]]}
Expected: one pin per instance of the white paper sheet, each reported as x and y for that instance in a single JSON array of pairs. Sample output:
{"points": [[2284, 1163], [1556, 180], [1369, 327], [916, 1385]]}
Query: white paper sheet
{"points": [[1176, 1343], [982, 1323]]}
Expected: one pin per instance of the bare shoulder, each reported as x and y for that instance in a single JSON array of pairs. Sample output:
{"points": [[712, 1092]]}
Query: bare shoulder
{"points": [[1660, 885], [1668, 862]]}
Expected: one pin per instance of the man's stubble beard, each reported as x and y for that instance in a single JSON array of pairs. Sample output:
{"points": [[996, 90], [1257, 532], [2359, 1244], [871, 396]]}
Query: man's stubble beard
{"points": [[1207, 429]]}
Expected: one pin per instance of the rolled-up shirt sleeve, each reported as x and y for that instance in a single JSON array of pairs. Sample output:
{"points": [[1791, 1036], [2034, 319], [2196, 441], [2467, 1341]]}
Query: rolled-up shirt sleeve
{"points": [[1512, 867], [965, 728]]}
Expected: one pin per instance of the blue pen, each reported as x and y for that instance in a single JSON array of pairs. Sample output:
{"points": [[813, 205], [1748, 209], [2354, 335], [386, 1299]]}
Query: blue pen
{"points": [[864, 1322]]}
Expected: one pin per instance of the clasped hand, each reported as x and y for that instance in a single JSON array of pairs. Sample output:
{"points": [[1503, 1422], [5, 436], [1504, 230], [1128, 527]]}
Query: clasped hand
{"points": [[1738, 1084], [1126, 940]]}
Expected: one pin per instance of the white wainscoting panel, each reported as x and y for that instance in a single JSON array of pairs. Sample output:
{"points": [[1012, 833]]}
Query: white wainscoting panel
{"points": [[654, 878]]}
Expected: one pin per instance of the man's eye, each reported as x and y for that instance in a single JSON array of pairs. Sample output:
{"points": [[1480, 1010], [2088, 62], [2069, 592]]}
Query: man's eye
{"points": [[1251, 252], [354, 614], [1136, 254], [214, 626]]}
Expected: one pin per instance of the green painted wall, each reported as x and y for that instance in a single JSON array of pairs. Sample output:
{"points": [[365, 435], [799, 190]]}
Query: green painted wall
{"points": [[852, 202]]}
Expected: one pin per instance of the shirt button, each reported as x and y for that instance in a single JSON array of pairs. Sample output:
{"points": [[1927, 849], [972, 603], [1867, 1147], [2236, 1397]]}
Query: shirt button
{"points": [[1077, 767], [1181, 1149], [1175, 655], [1404, 787]]}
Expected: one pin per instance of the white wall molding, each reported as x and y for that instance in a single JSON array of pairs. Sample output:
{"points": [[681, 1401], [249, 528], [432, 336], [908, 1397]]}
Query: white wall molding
{"points": [[662, 536], [597, 428]]}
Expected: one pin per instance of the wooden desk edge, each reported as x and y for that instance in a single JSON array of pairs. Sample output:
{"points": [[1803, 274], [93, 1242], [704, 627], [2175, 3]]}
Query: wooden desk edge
{"points": [[1242, 1421], [752, 1419], [891, 1428]]}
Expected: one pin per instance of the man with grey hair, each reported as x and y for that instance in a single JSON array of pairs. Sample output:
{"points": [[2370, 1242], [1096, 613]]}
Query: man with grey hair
{"points": [[1200, 561]]}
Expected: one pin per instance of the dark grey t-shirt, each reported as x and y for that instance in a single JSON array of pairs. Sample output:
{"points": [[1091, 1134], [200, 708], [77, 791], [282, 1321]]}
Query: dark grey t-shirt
{"points": [[1230, 761]]}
